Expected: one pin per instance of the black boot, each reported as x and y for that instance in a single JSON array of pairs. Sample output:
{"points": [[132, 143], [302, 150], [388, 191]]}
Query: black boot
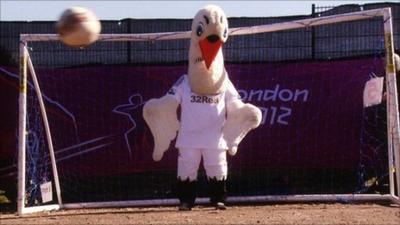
{"points": [[218, 193], [186, 194]]}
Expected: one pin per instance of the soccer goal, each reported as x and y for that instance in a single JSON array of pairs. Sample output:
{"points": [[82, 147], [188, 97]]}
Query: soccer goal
{"points": [[330, 128]]}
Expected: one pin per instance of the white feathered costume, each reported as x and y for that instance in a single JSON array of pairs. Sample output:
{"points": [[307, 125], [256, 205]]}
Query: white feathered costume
{"points": [[213, 118]]}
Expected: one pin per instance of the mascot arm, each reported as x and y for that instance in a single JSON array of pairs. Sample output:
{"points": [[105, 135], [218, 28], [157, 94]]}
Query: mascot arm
{"points": [[161, 116], [241, 118]]}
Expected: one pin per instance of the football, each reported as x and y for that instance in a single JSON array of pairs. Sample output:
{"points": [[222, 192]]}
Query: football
{"points": [[78, 27]]}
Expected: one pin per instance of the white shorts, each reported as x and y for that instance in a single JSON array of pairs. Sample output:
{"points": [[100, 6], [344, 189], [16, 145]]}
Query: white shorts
{"points": [[214, 162]]}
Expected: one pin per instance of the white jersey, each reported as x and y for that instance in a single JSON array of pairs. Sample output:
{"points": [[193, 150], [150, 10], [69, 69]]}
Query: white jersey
{"points": [[202, 117]]}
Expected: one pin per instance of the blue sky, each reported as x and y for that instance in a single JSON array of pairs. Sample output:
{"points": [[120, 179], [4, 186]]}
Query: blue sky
{"points": [[18, 10]]}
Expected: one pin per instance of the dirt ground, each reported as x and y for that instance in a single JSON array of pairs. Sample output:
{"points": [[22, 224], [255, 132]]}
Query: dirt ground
{"points": [[320, 214]]}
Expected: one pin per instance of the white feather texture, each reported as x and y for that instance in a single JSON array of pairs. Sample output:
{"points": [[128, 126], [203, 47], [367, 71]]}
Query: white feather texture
{"points": [[161, 116], [241, 118]]}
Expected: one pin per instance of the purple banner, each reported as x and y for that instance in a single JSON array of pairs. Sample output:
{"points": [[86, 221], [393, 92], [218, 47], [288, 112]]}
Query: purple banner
{"points": [[312, 115]]}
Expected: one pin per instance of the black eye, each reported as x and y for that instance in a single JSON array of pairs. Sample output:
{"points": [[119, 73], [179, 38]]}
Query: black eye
{"points": [[225, 32], [207, 20], [199, 30]]}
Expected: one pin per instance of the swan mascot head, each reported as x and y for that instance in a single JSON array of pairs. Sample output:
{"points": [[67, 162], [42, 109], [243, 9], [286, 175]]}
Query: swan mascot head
{"points": [[207, 75]]}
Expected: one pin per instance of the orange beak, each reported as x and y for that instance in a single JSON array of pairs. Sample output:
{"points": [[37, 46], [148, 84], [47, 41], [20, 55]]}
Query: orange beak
{"points": [[209, 48]]}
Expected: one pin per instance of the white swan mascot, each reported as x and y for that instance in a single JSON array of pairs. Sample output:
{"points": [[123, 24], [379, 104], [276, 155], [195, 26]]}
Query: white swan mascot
{"points": [[213, 118]]}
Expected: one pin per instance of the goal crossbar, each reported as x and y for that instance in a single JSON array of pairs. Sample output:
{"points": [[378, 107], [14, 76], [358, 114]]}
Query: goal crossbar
{"points": [[385, 12], [393, 128]]}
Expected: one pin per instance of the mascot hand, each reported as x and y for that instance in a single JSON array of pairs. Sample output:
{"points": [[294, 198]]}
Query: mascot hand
{"points": [[241, 118], [232, 150], [157, 155]]}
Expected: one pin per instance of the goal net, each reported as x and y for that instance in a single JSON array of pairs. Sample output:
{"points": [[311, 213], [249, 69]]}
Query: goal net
{"points": [[327, 93]]}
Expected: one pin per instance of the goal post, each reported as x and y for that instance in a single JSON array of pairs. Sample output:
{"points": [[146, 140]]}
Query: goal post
{"points": [[25, 64], [27, 68], [393, 112]]}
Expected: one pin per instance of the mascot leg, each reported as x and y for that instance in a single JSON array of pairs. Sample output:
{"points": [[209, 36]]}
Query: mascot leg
{"points": [[186, 194], [216, 168], [218, 193], [188, 165]]}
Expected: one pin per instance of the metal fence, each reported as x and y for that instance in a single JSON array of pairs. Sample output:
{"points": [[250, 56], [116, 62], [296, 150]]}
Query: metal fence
{"points": [[350, 39]]}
